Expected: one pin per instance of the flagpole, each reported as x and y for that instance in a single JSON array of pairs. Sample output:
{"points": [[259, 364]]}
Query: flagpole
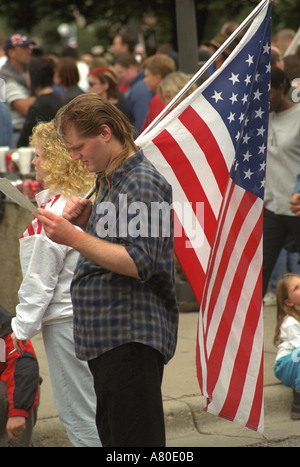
{"points": [[206, 66]]}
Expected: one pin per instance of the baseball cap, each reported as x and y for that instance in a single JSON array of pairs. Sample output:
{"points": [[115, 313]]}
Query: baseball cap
{"points": [[17, 40]]}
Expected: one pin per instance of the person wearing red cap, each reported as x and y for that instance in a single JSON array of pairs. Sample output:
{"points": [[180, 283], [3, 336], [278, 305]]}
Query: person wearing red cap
{"points": [[18, 49]]}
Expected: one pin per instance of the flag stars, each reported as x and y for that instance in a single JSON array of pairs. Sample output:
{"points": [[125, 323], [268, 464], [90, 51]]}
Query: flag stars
{"points": [[247, 156], [233, 98], [237, 136], [248, 174], [257, 95], [248, 80], [246, 139], [240, 96], [262, 149], [261, 131], [234, 78], [231, 117], [268, 68], [245, 98], [217, 96], [266, 48], [249, 60], [262, 167], [259, 113]]}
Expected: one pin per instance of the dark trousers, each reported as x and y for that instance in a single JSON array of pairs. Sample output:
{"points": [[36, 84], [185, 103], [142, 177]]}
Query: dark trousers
{"points": [[127, 383], [277, 229]]}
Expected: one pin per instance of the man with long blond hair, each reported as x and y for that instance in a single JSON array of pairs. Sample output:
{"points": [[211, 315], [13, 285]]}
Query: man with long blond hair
{"points": [[123, 292]]}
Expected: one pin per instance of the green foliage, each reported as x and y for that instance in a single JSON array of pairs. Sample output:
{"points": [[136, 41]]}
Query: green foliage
{"points": [[106, 17], [286, 14]]}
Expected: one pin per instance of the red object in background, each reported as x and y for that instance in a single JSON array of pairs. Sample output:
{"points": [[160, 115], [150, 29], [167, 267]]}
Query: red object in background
{"points": [[36, 188], [27, 189], [10, 165], [30, 188]]}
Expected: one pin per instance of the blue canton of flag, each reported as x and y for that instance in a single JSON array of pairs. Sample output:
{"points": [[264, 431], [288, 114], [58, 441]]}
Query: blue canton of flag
{"points": [[241, 94]]}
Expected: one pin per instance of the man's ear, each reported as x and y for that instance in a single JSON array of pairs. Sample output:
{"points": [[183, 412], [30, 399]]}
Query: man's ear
{"points": [[105, 132]]}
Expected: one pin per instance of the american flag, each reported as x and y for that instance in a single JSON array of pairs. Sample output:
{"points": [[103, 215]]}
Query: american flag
{"points": [[212, 150]]}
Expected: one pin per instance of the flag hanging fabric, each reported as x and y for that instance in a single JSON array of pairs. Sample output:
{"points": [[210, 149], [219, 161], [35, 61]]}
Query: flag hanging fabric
{"points": [[212, 150]]}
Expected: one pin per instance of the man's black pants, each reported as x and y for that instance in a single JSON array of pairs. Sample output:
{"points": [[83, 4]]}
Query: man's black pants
{"points": [[127, 383]]}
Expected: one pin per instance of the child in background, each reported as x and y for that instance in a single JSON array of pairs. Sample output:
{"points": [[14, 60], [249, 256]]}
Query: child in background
{"points": [[287, 337], [19, 388]]}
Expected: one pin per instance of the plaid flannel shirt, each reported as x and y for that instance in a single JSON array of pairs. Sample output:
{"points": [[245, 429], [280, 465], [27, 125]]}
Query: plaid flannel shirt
{"points": [[112, 309]]}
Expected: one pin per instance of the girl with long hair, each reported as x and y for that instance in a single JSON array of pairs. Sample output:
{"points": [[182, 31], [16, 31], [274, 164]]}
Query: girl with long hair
{"points": [[287, 337]]}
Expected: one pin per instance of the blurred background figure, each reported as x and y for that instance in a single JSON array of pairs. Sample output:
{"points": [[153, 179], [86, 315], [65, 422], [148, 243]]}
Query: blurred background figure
{"points": [[138, 96], [123, 42], [6, 128], [103, 81], [283, 39], [277, 58], [83, 67], [67, 76], [48, 101], [172, 84], [18, 49], [156, 68]]}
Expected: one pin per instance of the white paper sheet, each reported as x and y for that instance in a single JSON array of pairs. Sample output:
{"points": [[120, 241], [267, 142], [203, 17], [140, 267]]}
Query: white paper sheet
{"points": [[14, 194]]}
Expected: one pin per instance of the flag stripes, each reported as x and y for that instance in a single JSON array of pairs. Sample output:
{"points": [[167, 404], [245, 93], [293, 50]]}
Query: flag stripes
{"points": [[231, 314], [187, 149], [212, 149]]}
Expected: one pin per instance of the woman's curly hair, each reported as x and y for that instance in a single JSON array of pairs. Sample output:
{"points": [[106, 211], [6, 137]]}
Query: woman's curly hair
{"points": [[64, 175]]}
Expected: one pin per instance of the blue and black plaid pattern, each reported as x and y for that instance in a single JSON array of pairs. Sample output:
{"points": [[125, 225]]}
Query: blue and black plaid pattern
{"points": [[111, 309]]}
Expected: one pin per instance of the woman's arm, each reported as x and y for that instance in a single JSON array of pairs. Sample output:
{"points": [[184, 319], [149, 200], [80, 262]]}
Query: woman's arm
{"points": [[111, 256]]}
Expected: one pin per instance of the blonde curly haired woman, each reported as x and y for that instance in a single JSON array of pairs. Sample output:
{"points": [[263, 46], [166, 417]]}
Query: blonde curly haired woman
{"points": [[44, 295]]}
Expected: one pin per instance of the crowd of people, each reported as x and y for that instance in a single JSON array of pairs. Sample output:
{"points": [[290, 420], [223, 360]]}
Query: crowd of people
{"points": [[132, 279], [37, 85], [106, 374]]}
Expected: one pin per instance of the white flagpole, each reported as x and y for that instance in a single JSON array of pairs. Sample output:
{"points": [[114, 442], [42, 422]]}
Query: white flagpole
{"points": [[293, 45], [206, 66]]}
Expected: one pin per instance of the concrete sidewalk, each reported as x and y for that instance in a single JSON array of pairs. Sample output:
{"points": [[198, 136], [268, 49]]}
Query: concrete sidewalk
{"points": [[186, 423]]}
